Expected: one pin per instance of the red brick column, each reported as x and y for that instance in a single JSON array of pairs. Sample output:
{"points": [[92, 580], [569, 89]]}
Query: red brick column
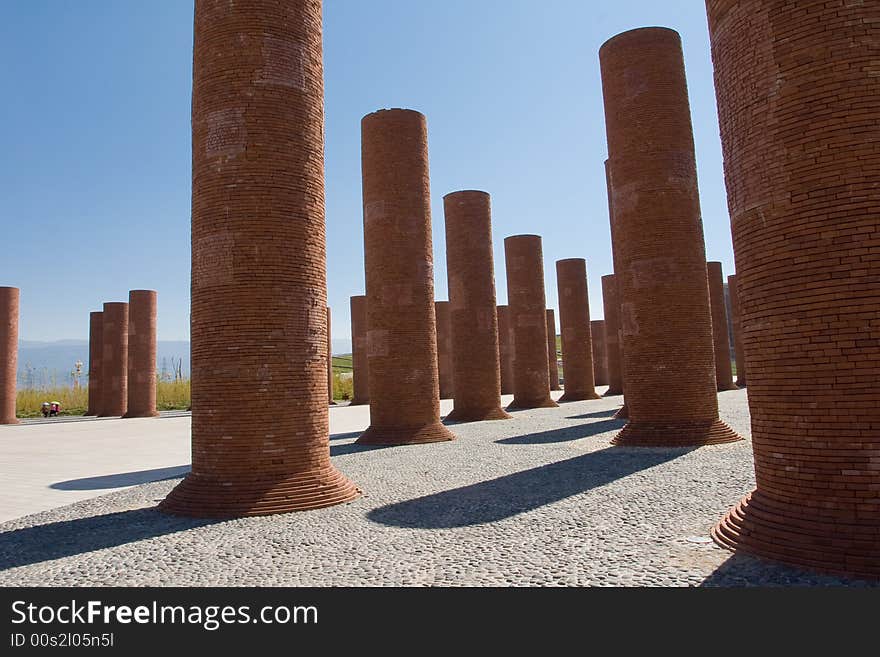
{"points": [[114, 360], [720, 332], [329, 361], [552, 364], [666, 324], [739, 353], [142, 306], [96, 345], [528, 322], [260, 429], [471, 275], [611, 305], [404, 386], [798, 107], [444, 349], [505, 350], [574, 325], [600, 356], [9, 301], [359, 360]]}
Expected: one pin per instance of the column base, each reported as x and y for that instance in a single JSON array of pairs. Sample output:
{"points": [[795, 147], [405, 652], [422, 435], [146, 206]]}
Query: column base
{"points": [[477, 414], [358, 402], [578, 395], [10, 420], [731, 386], [611, 392], [740, 383], [133, 414], [675, 434], [523, 404], [793, 535], [622, 413], [557, 388], [200, 496], [427, 433]]}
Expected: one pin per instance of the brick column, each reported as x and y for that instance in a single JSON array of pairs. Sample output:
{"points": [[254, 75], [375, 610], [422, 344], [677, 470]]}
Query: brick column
{"points": [[600, 356], [329, 361], [739, 354], [114, 360], [720, 332], [611, 306], [574, 324], [552, 364], [9, 302], [798, 108], [96, 345], [666, 324], [505, 350], [404, 385], [260, 429], [470, 269], [528, 322], [444, 349], [359, 360], [142, 306]]}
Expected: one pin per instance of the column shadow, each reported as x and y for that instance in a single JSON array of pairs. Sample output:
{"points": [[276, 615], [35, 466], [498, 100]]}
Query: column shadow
{"points": [[563, 435], [587, 416], [742, 570], [122, 479], [503, 497]]}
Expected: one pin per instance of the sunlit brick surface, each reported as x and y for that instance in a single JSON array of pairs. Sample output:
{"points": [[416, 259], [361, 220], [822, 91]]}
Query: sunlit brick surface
{"points": [[611, 305], [574, 325], [9, 301], [720, 332], [797, 84], [114, 360], [444, 348], [142, 308]]}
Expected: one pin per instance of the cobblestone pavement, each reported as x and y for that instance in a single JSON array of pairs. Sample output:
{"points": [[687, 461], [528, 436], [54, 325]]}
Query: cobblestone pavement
{"points": [[542, 499]]}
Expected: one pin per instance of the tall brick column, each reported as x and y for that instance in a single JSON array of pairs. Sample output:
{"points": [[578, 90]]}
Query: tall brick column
{"points": [[470, 269], [574, 324], [739, 353], [329, 361], [260, 434], [359, 360], [666, 323], [444, 348], [720, 332], [600, 357], [114, 360], [524, 261], [96, 345], [611, 305], [552, 364], [9, 301], [142, 306], [404, 385], [798, 107], [505, 350]]}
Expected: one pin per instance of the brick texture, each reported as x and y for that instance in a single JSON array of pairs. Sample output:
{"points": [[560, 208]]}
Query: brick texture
{"points": [[444, 348], [611, 305], [114, 360], [796, 84], [359, 360], [9, 302], [329, 360], [552, 360], [260, 434], [600, 357], [474, 322], [574, 325], [404, 385], [505, 350], [666, 324], [142, 308], [96, 345], [524, 262], [739, 354], [720, 332]]}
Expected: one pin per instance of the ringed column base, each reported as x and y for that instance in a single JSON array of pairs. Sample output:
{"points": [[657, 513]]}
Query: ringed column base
{"points": [[622, 413], [427, 433], [579, 396], [523, 404], [675, 434], [611, 392], [477, 414], [199, 496], [787, 533]]}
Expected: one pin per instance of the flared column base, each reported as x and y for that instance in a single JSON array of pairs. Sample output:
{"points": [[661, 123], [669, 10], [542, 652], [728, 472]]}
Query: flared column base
{"points": [[10, 420], [523, 404], [611, 392], [477, 414], [200, 496], [675, 434], [427, 433], [578, 395], [621, 414], [132, 414], [793, 535]]}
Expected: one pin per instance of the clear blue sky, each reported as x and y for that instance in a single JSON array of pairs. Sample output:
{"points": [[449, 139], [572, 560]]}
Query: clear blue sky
{"points": [[95, 136]]}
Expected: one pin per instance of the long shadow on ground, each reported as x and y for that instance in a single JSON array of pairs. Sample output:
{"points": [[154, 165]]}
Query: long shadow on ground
{"points": [[563, 435], [745, 570], [588, 416], [497, 499], [21, 547], [122, 479]]}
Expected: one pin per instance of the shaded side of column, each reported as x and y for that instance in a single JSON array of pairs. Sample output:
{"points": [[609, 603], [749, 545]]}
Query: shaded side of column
{"points": [[574, 324], [329, 360], [359, 360], [444, 349], [739, 353], [505, 350], [720, 332], [96, 344], [552, 359], [611, 307], [600, 356]]}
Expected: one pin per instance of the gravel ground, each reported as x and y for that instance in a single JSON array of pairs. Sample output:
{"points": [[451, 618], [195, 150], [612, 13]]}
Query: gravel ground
{"points": [[542, 499]]}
